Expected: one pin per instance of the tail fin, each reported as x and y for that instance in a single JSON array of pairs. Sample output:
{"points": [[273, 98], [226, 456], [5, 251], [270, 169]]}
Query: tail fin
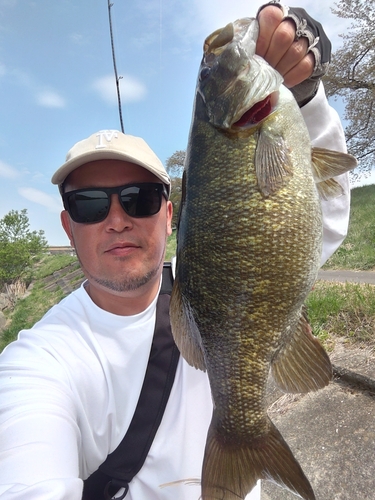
{"points": [[230, 471]]}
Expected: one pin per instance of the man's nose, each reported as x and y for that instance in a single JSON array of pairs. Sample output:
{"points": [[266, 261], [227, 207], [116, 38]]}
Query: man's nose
{"points": [[117, 219]]}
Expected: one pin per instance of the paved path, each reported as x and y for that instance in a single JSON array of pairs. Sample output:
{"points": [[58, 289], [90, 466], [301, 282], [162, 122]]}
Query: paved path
{"points": [[332, 431], [343, 275]]}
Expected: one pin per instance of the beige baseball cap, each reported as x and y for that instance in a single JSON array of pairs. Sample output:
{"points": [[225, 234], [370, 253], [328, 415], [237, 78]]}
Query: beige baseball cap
{"points": [[111, 145]]}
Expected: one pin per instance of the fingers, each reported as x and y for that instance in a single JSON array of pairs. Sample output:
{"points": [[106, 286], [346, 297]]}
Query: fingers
{"points": [[278, 46], [269, 19], [300, 72]]}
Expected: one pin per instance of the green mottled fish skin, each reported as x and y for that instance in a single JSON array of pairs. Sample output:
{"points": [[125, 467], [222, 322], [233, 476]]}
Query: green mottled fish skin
{"points": [[245, 265], [245, 262], [247, 257]]}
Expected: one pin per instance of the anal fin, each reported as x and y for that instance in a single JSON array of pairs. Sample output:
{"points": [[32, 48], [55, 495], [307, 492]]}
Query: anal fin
{"points": [[329, 189], [302, 364]]}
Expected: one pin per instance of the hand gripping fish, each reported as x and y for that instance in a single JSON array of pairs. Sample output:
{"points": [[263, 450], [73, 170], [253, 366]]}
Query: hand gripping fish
{"points": [[248, 252]]}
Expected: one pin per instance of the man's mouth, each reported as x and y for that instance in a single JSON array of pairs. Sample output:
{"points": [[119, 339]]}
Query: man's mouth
{"points": [[121, 248]]}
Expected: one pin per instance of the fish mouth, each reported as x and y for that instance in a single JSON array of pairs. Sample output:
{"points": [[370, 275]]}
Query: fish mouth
{"points": [[255, 114]]}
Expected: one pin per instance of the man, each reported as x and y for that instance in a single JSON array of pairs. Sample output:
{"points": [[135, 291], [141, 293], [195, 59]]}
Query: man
{"points": [[69, 386]]}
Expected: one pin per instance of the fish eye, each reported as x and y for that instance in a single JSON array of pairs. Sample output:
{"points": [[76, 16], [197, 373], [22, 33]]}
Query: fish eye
{"points": [[204, 73]]}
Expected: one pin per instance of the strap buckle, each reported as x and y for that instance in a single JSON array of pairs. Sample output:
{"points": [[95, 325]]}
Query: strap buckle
{"points": [[115, 485]]}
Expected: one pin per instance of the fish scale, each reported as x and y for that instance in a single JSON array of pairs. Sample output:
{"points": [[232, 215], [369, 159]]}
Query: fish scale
{"points": [[248, 250]]}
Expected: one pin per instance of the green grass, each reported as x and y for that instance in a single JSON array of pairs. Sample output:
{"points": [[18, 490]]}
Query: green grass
{"points": [[342, 310], [28, 311], [171, 247], [31, 308], [358, 249], [348, 309], [51, 263]]}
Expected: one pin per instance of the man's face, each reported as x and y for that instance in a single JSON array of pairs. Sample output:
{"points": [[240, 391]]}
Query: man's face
{"points": [[120, 255]]}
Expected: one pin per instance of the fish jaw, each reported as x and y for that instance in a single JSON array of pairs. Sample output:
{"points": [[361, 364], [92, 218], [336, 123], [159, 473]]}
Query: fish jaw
{"points": [[232, 78]]}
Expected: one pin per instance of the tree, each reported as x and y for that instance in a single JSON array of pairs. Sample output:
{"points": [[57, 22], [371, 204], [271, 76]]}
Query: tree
{"points": [[352, 77], [175, 197], [175, 168], [175, 163], [19, 246]]}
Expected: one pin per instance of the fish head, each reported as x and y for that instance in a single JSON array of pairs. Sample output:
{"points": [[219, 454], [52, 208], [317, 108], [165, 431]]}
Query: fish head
{"points": [[239, 89]]}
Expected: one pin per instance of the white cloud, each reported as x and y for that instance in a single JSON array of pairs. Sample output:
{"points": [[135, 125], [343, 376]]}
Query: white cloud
{"points": [[44, 199], [50, 99], [20, 77], [7, 171], [76, 38], [131, 89], [43, 96]]}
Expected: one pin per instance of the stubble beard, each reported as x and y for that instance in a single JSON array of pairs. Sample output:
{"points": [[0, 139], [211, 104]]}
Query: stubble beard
{"points": [[125, 284]]}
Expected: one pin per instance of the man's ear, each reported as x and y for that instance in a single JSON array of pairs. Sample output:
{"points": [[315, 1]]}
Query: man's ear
{"points": [[66, 224], [169, 217]]}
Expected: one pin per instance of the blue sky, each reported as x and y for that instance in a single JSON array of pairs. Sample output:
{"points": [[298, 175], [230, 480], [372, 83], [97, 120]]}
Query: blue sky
{"points": [[57, 84]]}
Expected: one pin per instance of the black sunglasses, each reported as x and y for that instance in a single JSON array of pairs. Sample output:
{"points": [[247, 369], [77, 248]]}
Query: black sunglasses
{"points": [[91, 205]]}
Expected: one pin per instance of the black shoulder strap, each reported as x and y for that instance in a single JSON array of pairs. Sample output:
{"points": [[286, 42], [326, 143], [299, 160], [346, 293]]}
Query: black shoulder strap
{"points": [[127, 459]]}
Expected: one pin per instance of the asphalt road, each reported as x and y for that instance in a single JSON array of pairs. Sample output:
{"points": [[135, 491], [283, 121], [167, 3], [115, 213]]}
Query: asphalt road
{"points": [[351, 276]]}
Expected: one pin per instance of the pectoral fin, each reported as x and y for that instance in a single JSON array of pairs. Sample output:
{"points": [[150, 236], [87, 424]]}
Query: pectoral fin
{"points": [[327, 164], [273, 164], [301, 365], [184, 329]]}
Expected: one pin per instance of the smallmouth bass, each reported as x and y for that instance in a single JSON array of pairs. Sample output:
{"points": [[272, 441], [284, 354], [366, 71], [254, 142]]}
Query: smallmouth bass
{"points": [[248, 250]]}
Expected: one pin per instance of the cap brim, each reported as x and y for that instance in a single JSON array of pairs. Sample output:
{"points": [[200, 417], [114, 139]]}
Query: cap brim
{"points": [[62, 173]]}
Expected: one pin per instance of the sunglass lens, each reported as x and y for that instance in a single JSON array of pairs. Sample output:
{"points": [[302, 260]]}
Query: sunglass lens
{"points": [[141, 201], [89, 206]]}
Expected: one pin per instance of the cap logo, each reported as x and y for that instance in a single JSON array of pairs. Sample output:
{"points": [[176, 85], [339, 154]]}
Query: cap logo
{"points": [[105, 135]]}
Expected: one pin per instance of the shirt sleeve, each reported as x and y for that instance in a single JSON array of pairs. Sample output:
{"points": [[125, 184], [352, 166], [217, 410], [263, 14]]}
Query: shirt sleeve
{"points": [[326, 131], [39, 435]]}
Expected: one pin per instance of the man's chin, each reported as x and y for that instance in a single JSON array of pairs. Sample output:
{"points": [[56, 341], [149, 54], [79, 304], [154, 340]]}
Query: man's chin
{"points": [[132, 281]]}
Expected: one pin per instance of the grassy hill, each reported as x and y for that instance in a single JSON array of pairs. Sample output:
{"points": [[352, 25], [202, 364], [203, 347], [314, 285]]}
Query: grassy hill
{"points": [[334, 308], [358, 249]]}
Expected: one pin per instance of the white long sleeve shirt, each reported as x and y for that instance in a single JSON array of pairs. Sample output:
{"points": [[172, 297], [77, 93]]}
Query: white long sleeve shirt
{"points": [[326, 131], [69, 386]]}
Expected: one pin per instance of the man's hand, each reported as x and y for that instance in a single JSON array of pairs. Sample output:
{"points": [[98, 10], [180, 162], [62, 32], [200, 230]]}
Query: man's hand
{"points": [[296, 45], [277, 45]]}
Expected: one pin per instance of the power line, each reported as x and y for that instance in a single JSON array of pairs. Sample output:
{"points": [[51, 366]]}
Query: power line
{"points": [[118, 78]]}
